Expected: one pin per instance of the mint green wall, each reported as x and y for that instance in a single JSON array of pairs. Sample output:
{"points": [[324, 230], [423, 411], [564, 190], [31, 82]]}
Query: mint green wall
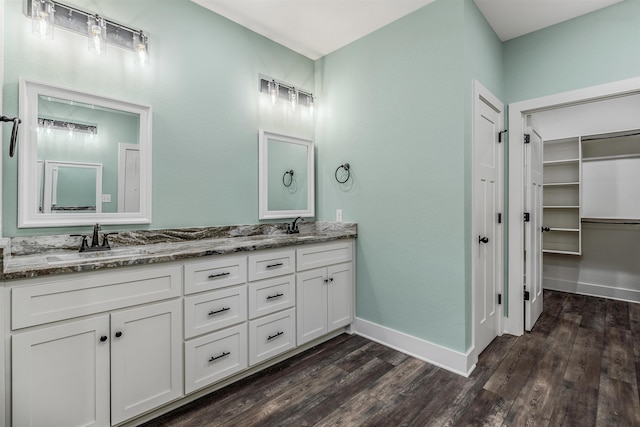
{"points": [[202, 86], [392, 105], [597, 48]]}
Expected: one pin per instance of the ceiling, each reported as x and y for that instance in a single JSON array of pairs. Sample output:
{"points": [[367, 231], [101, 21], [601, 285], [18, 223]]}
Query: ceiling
{"points": [[315, 28]]}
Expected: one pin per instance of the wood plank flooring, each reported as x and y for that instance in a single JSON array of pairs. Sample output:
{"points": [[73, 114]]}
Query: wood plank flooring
{"points": [[580, 366]]}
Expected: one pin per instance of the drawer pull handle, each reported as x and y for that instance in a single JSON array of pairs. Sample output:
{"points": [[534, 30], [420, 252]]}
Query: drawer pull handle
{"points": [[275, 265], [214, 276], [224, 354], [274, 296], [270, 337], [222, 310]]}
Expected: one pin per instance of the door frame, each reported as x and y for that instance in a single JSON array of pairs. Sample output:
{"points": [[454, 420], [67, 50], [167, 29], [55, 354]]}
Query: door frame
{"points": [[480, 93], [517, 111]]}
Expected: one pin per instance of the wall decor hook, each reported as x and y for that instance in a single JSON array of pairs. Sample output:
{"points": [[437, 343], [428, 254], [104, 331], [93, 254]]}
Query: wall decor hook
{"points": [[347, 169]]}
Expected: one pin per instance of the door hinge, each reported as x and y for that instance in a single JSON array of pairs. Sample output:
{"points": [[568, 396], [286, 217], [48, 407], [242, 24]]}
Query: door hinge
{"points": [[526, 295], [527, 217], [500, 135], [499, 217], [499, 299], [527, 138]]}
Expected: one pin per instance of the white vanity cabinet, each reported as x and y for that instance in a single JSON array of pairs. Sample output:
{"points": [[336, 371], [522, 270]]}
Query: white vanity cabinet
{"points": [[60, 375], [325, 289], [117, 346], [103, 368], [272, 328], [215, 327]]}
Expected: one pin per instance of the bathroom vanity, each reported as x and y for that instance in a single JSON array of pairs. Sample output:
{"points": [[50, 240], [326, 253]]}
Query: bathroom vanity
{"points": [[121, 336]]}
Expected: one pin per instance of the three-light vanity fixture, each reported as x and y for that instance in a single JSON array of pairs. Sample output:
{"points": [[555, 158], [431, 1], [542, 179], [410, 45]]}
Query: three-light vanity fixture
{"points": [[281, 91], [70, 127], [46, 14]]}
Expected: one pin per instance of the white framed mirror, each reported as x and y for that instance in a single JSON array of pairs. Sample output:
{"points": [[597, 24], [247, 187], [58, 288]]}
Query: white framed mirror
{"points": [[83, 158], [286, 176]]}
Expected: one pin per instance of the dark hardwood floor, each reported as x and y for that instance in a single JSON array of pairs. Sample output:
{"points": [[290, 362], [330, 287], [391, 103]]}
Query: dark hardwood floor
{"points": [[580, 366]]}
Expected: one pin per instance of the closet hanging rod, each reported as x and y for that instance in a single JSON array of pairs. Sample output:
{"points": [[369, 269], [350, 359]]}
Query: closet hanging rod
{"points": [[622, 135], [611, 221]]}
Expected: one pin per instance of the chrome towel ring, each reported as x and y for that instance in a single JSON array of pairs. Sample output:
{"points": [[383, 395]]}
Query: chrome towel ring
{"points": [[14, 133]]}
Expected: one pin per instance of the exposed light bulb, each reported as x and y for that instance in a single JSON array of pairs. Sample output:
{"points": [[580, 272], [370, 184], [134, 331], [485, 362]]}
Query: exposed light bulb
{"points": [[311, 104], [42, 18], [273, 91], [97, 34], [141, 47], [293, 97]]}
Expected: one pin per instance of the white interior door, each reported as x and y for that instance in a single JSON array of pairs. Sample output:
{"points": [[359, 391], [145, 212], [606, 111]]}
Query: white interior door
{"points": [[487, 204], [129, 178], [533, 227]]}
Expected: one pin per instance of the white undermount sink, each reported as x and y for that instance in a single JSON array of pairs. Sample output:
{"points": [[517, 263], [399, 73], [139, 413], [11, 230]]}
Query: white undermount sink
{"points": [[95, 256]]}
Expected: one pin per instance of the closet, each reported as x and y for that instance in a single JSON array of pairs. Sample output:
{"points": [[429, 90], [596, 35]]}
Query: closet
{"points": [[591, 198]]}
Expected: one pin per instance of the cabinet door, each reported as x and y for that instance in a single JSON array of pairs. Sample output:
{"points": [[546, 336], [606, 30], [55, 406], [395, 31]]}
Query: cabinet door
{"points": [[340, 296], [146, 359], [311, 304], [61, 375]]}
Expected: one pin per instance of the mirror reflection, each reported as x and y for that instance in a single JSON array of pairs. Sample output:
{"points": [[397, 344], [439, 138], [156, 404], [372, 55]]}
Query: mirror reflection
{"points": [[70, 131], [84, 159], [286, 176]]}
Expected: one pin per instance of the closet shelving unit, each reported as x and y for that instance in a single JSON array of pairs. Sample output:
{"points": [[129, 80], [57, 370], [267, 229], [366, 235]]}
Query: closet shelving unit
{"points": [[561, 198]]}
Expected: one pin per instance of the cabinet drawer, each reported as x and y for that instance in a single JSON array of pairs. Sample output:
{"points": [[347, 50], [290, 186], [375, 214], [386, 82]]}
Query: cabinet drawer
{"points": [[323, 255], [271, 264], [214, 310], [214, 274], [271, 335], [213, 357], [269, 296], [81, 294]]}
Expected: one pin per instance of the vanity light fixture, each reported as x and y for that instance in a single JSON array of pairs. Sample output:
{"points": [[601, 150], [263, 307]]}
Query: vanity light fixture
{"points": [[46, 14], [43, 18], [70, 127], [277, 90]]}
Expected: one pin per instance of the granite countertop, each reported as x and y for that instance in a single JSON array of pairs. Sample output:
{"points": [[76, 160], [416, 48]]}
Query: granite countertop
{"points": [[27, 257]]}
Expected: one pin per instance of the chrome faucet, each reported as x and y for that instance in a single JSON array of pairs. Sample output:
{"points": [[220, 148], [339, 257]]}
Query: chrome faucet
{"points": [[293, 227]]}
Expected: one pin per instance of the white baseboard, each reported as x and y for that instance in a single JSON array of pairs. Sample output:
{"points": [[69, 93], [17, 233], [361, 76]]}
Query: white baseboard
{"points": [[451, 360], [590, 289]]}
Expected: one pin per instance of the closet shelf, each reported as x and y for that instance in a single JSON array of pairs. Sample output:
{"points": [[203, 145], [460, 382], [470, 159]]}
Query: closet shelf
{"points": [[570, 230], [561, 207], [553, 251]]}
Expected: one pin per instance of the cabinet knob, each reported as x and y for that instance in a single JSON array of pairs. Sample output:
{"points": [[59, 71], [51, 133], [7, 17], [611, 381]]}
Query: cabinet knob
{"points": [[483, 239], [103, 338], [118, 334]]}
